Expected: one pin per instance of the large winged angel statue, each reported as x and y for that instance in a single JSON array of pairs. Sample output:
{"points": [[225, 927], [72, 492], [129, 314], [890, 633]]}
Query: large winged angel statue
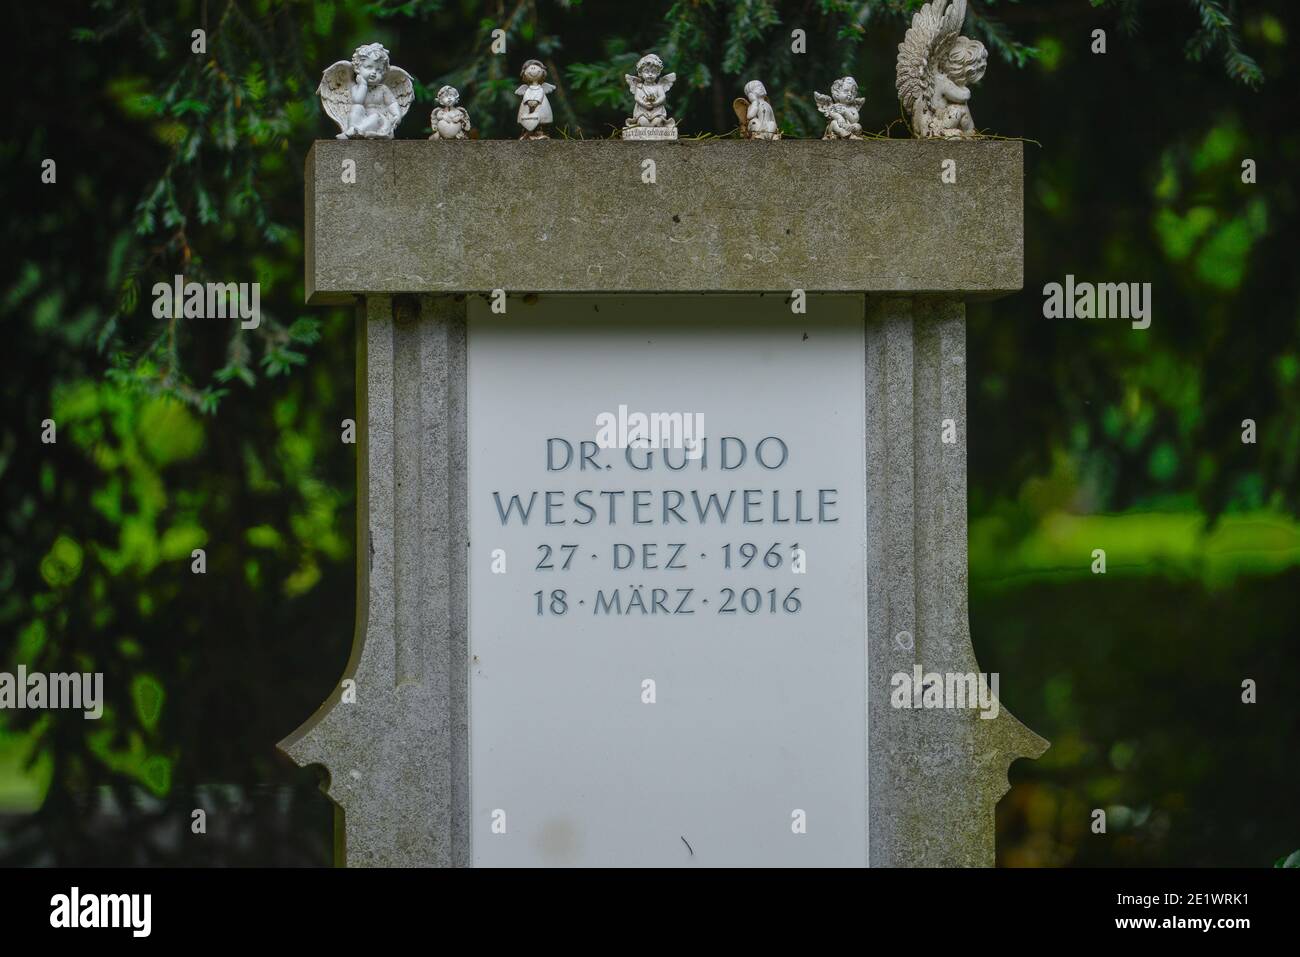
{"points": [[936, 67], [368, 96]]}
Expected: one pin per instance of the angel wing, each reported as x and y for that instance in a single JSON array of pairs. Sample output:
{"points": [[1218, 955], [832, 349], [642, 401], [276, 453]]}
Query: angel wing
{"points": [[668, 79], [631, 82], [403, 86], [934, 27], [548, 87], [741, 106], [824, 103], [336, 92]]}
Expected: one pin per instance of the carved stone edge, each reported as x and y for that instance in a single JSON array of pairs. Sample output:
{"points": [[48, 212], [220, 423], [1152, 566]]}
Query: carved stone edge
{"points": [[934, 776], [398, 758]]}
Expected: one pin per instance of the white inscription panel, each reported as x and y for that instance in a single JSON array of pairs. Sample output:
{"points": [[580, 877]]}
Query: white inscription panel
{"points": [[667, 645]]}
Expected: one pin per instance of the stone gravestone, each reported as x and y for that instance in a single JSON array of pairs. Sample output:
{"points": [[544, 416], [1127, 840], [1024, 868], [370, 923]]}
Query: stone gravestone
{"points": [[573, 649]]}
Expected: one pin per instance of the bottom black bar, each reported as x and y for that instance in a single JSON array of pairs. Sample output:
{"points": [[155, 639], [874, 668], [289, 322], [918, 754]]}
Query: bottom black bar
{"points": [[333, 907]]}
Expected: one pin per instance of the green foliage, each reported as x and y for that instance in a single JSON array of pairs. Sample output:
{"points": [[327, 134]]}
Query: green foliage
{"points": [[220, 125], [1219, 33], [1145, 718]]}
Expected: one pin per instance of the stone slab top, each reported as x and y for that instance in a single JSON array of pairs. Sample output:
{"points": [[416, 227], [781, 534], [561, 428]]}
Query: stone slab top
{"points": [[578, 216]]}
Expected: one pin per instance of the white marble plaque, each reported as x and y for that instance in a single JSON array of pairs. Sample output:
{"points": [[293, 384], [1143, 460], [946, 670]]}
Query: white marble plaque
{"points": [[651, 680]]}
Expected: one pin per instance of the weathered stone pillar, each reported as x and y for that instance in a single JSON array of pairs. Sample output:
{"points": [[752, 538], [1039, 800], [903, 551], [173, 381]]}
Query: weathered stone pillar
{"points": [[932, 765], [397, 757]]}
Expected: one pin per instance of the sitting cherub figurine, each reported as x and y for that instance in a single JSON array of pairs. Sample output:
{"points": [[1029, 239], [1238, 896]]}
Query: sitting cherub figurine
{"points": [[534, 109], [448, 120], [936, 66], [841, 110], [650, 90], [366, 97], [755, 113]]}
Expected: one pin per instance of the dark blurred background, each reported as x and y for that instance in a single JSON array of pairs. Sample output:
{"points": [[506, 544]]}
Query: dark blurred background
{"points": [[1083, 434]]}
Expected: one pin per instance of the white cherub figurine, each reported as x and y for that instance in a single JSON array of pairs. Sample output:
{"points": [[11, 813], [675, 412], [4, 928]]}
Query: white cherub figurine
{"points": [[936, 67], [534, 109], [755, 113], [366, 97], [448, 120], [841, 110], [650, 90]]}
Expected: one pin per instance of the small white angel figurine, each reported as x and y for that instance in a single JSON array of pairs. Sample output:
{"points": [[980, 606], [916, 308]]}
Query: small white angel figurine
{"points": [[534, 108], [448, 120], [755, 113], [841, 110], [366, 97], [649, 89], [935, 70]]}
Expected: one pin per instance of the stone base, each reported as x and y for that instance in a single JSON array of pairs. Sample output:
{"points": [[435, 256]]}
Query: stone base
{"points": [[650, 133]]}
